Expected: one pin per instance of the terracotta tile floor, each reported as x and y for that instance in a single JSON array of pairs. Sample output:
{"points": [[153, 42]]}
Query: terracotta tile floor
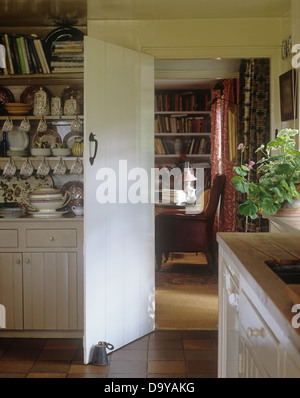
{"points": [[164, 354]]}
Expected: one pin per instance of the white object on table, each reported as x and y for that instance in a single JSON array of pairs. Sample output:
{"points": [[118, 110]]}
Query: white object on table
{"points": [[2, 316]]}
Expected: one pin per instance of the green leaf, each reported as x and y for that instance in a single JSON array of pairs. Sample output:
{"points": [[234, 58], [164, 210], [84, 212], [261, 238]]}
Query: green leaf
{"points": [[248, 209], [240, 172], [284, 169], [287, 132], [242, 186], [269, 207]]}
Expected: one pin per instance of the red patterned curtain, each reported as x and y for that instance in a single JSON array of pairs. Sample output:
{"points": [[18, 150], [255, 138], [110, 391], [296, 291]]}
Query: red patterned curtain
{"points": [[223, 148], [254, 125]]}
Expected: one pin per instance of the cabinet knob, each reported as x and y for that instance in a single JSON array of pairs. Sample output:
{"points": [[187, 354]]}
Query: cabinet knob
{"points": [[255, 332], [18, 261], [51, 238], [27, 260]]}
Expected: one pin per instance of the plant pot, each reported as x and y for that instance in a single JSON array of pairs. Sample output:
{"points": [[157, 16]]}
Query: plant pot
{"points": [[290, 209]]}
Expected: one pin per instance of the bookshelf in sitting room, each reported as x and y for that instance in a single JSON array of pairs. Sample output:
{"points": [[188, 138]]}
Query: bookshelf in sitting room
{"points": [[182, 127]]}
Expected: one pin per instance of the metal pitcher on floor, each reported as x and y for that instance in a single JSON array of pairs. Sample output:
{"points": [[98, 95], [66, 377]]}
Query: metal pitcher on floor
{"points": [[99, 355]]}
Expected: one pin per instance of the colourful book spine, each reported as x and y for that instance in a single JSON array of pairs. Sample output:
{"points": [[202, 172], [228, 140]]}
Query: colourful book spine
{"points": [[9, 55], [21, 57], [25, 57]]}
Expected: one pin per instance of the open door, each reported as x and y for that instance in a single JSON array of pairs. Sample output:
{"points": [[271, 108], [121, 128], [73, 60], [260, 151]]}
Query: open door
{"points": [[119, 286]]}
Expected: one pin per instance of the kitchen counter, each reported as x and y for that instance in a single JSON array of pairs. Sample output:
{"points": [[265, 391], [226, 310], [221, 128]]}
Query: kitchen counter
{"points": [[284, 224], [250, 251]]}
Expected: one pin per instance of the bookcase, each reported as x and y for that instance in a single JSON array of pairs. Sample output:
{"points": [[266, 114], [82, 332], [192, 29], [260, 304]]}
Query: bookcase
{"points": [[29, 65], [182, 126]]}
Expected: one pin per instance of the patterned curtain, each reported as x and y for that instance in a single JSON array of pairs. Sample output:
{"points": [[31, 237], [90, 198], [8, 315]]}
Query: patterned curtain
{"points": [[254, 125], [223, 144]]}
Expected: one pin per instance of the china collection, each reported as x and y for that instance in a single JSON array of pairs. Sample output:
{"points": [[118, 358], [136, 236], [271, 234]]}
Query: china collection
{"points": [[28, 188]]}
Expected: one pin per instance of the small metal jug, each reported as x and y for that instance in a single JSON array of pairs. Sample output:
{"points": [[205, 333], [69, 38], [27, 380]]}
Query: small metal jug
{"points": [[99, 355]]}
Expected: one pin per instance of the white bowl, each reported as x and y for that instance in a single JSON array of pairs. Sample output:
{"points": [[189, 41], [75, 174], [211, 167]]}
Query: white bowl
{"points": [[47, 205], [61, 151], [40, 151]]}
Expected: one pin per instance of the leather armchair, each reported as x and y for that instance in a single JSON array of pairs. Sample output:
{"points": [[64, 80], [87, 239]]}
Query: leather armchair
{"points": [[181, 232]]}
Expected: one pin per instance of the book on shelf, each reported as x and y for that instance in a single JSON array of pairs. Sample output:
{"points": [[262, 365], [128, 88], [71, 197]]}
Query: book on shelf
{"points": [[25, 54], [67, 56], [181, 124], [173, 100]]}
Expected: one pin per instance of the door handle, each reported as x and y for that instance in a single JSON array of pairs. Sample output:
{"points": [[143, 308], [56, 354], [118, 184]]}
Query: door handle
{"points": [[93, 139]]}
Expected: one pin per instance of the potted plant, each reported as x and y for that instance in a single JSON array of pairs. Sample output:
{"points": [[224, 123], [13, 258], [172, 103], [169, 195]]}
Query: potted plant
{"points": [[277, 175]]}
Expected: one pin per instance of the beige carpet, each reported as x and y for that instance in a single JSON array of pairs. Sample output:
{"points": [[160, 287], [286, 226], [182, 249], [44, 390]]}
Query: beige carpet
{"points": [[186, 307]]}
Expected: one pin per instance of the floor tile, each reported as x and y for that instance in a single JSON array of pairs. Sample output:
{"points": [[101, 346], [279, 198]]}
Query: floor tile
{"points": [[130, 355], [198, 344], [50, 367], [75, 368], [127, 367], [15, 366], [47, 376], [56, 355], [166, 355], [167, 367], [20, 355]]}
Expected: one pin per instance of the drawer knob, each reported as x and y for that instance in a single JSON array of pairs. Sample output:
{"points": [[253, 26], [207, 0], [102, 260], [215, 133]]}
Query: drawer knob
{"points": [[51, 238], [255, 332]]}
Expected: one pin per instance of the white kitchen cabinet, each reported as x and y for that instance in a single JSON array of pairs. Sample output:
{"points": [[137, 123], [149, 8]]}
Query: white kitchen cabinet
{"points": [[257, 339], [41, 281], [11, 288], [50, 293]]}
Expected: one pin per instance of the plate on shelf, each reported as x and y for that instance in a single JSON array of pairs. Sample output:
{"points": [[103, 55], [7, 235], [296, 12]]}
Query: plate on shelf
{"points": [[73, 91], [18, 140], [16, 189], [75, 189], [50, 136], [6, 95], [48, 214], [70, 137], [27, 95]]}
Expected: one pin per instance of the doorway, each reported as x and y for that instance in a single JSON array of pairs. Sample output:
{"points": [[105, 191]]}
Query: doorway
{"points": [[186, 294]]}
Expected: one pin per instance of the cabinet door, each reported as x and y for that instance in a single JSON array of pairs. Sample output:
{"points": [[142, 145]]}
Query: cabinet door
{"points": [[119, 233], [50, 291], [11, 289]]}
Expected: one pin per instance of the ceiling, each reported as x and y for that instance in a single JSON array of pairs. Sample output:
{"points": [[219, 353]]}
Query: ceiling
{"points": [[187, 9], [76, 12], [42, 12]]}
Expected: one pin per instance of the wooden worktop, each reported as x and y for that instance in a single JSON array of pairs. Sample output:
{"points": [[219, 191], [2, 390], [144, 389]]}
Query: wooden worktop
{"points": [[250, 251]]}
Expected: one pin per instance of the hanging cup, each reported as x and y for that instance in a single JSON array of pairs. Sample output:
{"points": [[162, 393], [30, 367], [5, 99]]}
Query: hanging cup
{"points": [[25, 125], [10, 168], [8, 125], [27, 168]]}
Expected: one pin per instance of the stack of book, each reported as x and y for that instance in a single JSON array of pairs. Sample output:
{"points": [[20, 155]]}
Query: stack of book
{"points": [[173, 196], [24, 55], [67, 56]]}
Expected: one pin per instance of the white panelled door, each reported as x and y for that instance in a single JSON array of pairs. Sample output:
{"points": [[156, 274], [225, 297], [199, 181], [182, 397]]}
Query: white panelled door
{"points": [[119, 217]]}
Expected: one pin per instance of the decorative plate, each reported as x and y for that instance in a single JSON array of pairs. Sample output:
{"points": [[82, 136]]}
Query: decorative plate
{"points": [[18, 140], [70, 137], [63, 33], [48, 214], [75, 189], [6, 95], [27, 95], [16, 189], [73, 91], [50, 136]]}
